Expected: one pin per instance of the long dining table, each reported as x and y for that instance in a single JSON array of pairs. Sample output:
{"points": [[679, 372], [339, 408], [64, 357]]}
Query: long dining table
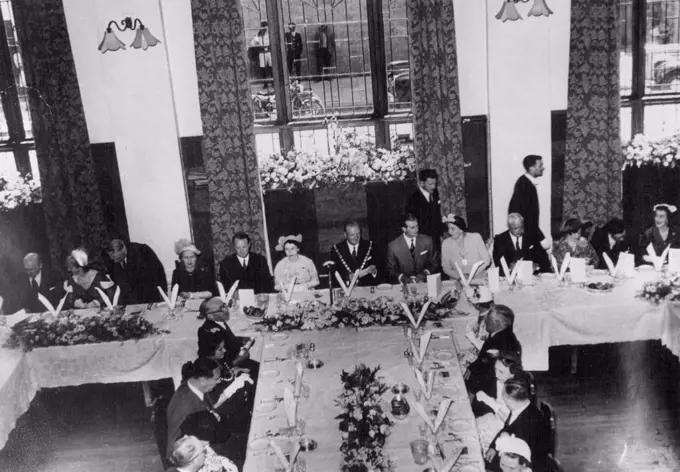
{"points": [[547, 314]]}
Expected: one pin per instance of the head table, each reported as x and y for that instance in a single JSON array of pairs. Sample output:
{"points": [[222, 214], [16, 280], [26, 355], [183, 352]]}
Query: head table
{"points": [[546, 315]]}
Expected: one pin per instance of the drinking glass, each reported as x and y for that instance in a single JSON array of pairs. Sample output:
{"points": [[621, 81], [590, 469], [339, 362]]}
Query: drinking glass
{"points": [[419, 450]]}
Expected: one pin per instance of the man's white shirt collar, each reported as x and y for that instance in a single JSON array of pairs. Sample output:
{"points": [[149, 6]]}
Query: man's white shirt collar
{"points": [[243, 259], [198, 393], [221, 323], [408, 241], [515, 414], [612, 241], [427, 194], [533, 179], [38, 278], [352, 246], [514, 240]]}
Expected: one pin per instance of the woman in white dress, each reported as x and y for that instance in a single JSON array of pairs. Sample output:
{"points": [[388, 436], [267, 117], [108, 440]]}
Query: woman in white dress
{"points": [[294, 268]]}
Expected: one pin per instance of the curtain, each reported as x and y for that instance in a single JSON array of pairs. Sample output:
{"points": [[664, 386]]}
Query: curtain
{"points": [[228, 135], [436, 100], [593, 159], [71, 198]]}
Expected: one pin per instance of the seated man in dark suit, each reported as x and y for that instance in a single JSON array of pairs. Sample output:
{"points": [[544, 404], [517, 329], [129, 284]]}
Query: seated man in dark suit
{"points": [[610, 240], [424, 204], [524, 422], [499, 323], [513, 244], [412, 256], [136, 269], [216, 316], [36, 279], [354, 254], [249, 268]]}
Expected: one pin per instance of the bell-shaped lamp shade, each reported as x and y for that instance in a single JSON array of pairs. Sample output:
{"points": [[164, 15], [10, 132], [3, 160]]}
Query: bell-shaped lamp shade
{"points": [[540, 8], [144, 39], [110, 42], [508, 12]]}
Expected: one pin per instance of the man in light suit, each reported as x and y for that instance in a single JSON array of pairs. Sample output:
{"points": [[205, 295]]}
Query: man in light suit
{"points": [[525, 197], [514, 244], [38, 280], [412, 256], [352, 254]]}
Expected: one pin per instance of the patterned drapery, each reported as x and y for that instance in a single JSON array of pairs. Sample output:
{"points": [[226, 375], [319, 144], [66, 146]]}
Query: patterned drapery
{"points": [[228, 136], [71, 197], [593, 160], [436, 101]]}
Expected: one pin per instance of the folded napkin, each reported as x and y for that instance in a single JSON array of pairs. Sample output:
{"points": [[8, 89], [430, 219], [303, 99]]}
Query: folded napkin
{"points": [[467, 280], [440, 465], [109, 304], [657, 260], [46, 303], [493, 275], [424, 342], [224, 296], [345, 288], [288, 464], [290, 289], [509, 275], [409, 315], [436, 424], [434, 286], [172, 301], [559, 273], [610, 265], [525, 272], [577, 269], [290, 405], [298, 378], [426, 382], [674, 260]]}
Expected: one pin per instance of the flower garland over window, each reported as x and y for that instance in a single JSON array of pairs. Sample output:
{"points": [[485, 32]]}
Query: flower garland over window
{"points": [[16, 191], [662, 152]]}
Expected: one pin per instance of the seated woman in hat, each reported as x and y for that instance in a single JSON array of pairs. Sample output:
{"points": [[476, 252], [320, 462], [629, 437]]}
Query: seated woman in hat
{"points": [[194, 277], [294, 267], [84, 280], [572, 242]]}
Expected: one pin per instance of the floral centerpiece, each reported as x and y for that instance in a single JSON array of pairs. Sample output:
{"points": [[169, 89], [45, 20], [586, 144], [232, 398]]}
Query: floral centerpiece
{"points": [[17, 190], [68, 329], [662, 290], [359, 312], [662, 152], [363, 423], [352, 158]]}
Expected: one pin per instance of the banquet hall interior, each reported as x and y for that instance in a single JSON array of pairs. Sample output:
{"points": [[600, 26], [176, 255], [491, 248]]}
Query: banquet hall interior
{"points": [[193, 126]]}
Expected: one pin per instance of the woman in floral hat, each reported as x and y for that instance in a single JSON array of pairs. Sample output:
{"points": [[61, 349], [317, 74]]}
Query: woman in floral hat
{"points": [[84, 281], [194, 277], [294, 268]]}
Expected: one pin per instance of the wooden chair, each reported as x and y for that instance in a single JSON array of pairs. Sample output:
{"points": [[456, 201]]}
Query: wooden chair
{"points": [[550, 425], [553, 465], [159, 421]]}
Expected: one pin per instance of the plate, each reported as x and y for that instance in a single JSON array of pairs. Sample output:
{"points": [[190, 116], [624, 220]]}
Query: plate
{"points": [[314, 364], [645, 268], [279, 336], [469, 468], [443, 355], [460, 426], [259, 444], [266, 407], [599, 272], [384, 287], [270, 374]]}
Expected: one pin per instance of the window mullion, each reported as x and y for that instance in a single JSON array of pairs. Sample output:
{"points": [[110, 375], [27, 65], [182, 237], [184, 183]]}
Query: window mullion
{"points": [[376, 34], [9, 95], [279, 69]]}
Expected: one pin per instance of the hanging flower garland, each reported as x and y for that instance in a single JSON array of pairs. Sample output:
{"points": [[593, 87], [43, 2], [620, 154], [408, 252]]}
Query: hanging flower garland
{"points": [[662, 152]]}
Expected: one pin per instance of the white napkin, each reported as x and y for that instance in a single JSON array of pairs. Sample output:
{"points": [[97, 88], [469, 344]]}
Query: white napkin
{"points": [[282, 457], [173, 296], [67, 287], [434, 286], [246, 297], [109, 304], [657, 260], [626, 265], [610, 265], [426, 382], [436, 424], [106, 284], [525, 272], [577, 268], [674, 260], [408, 313], [224, 296], [493, 274], [298, 378], [424, 342], [345, 288], [290, 289], [559, 273], [49, 306], [510, 276], [290, 406]]}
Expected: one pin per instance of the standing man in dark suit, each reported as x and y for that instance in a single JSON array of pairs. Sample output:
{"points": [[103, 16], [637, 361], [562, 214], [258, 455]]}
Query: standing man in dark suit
{"points": [[610, 240], [514, 244], [137, 270], [525, 197], [525, 422], [250, 269], [293, 49], [354, 254], [38, 279], [424, 204], [412, 256]]}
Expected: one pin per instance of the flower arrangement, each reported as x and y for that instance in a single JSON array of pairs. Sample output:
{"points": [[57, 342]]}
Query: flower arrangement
{"points": [[68, 329], [661, 290], [363, 423], [353, 158], [662, 152], [362, 312], [17, 190]]}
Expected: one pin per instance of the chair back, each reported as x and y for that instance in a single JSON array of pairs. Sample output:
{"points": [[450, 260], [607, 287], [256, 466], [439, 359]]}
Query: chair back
{"points": [[550, 426], [160, 426], [553, 465]]}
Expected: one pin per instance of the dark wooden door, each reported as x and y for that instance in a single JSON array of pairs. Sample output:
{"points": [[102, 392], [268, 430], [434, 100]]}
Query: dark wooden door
{"points": [[476, 175]]}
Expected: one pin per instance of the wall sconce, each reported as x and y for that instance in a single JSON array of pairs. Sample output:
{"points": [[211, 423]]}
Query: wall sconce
{"points": [[509, 10], [143, 38]]}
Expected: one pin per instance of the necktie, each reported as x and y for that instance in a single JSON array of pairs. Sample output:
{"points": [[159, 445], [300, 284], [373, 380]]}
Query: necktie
{"points": [[517, 246], [354, 252], [122, 264], [245, 264], [413, 248], [34, 284], [429, 199]]}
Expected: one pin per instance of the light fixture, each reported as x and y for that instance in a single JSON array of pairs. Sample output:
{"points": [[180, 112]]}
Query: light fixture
{"points": [[143, 38], [509, 10]]}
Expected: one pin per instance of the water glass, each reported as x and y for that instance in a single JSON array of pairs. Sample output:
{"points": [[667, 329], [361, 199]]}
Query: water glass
{"points": [[312, 347], [419, 449], [423, 429]]}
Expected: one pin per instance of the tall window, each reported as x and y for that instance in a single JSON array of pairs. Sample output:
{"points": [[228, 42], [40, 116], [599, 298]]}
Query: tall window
{"points": [[650, 67], [347, 59]]}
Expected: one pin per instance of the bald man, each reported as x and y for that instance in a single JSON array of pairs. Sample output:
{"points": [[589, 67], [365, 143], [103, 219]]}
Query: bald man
{"points": [[515, 244], [35, 279]]}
